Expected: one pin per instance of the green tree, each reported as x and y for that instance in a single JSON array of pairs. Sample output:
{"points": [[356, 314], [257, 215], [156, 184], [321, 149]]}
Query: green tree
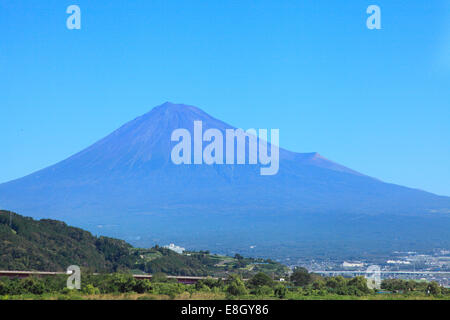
{"points": [[336, 285], [301, 277], [119, 282], [90, 289], [260, 279], [280, 291], [433, 288], [32, 285], [358, 286], [236, 286], [210, 283], [143, 286], [264, 291]]}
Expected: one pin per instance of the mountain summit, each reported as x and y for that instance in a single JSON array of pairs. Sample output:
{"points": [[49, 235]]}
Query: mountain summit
{"points": [[126, 185]]}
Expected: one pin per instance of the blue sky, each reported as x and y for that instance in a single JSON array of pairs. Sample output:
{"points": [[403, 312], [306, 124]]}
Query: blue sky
{"points": [[377, 101]]}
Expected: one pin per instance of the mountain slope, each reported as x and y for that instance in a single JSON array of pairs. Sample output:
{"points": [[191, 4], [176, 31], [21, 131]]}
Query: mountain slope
{"points": [[126, 185]]}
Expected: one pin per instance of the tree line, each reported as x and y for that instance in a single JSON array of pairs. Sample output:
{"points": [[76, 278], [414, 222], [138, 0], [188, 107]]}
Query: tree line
{"points": [[300, 284]]}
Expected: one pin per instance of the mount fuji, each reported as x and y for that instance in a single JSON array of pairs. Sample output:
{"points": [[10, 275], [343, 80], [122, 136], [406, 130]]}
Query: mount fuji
{"points": [[125, 185]]}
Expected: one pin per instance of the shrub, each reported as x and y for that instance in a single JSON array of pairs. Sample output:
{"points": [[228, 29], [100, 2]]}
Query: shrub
{"points": [[236, 286], [264, 291], [90, 289], [301, 277], [260, 279], [117, 282], [433, 288], [170, 289], [143, 286], [32, 285], [280, 291]]}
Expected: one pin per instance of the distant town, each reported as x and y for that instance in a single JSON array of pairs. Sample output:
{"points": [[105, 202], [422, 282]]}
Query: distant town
{"points": [[434, 266], [407, 265]]}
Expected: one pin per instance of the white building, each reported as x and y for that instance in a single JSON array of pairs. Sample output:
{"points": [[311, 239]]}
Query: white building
{"points": [[398, 262], [352, 264], [175, 248]]}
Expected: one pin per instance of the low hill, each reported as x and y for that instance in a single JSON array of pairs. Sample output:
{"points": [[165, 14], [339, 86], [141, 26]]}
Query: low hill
{"points": [[51, 245], [203, 263]]}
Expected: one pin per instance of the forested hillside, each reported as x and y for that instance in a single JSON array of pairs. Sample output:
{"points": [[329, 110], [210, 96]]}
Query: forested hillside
{"points": [[50, 245]]}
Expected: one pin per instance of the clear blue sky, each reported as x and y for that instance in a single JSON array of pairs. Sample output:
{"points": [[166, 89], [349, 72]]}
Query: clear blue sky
{"points": [[377, 101]]}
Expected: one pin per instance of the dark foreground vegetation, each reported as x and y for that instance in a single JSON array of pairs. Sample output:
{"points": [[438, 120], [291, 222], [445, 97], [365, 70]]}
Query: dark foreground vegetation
{"points": [[301, 285]]}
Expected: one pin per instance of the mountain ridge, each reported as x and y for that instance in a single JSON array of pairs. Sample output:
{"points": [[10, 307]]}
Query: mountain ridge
{"points": [[127, 179]]}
